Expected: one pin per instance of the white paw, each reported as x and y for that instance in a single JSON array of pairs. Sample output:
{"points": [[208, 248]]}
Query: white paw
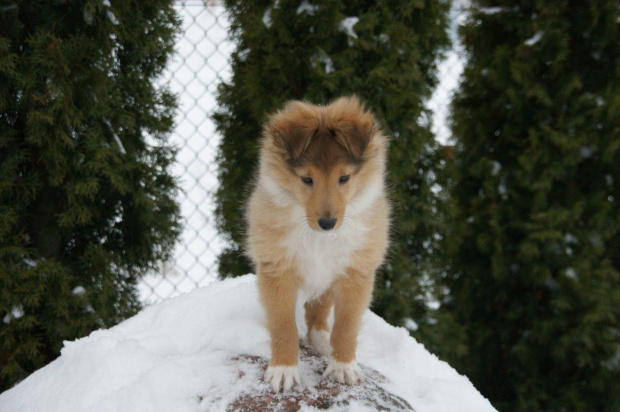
{"points": [[319, 340], [349, 372], [282, 376]]}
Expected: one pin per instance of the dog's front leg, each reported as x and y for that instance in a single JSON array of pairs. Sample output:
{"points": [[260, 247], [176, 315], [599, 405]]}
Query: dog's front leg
{"points": [[352, 294], [278, 292]]}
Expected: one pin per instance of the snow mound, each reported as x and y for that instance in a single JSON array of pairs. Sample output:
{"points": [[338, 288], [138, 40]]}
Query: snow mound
{"points": [[207, 351]]}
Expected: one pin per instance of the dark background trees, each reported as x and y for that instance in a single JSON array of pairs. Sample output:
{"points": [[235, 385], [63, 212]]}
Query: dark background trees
{"points": [[86, 201], [535, 278]]}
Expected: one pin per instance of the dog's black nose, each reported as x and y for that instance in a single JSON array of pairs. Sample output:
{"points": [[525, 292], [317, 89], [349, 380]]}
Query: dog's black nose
{"points": [[327, 224]]}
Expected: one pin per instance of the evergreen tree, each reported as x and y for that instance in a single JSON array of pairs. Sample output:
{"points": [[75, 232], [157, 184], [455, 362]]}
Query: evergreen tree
{"points": [[383, 51], [535, 277], [86, 202]]}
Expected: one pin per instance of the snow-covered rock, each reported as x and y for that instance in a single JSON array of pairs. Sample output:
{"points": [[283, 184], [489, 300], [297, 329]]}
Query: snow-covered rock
{"points": [[207, 351]]}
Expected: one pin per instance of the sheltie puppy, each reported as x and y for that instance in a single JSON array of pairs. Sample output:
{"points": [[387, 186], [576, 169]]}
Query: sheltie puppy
{"points": [[318, 220]]}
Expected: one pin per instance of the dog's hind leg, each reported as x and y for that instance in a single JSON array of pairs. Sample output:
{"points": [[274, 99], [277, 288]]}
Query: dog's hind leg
{"points": [[317, 311]]}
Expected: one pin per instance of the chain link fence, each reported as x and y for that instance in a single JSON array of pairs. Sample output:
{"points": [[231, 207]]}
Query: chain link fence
{"points": [[200, 64]]}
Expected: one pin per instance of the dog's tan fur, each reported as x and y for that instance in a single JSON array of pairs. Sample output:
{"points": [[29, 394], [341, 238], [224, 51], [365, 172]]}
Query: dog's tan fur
{"points": [[322, 143]]}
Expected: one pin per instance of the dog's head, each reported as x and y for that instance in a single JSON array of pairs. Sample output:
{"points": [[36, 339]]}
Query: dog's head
{"points": [[323, 157]]}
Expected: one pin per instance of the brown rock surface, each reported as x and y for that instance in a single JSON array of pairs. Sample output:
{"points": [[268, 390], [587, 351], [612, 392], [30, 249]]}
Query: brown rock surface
{"points": [[321, 393]]}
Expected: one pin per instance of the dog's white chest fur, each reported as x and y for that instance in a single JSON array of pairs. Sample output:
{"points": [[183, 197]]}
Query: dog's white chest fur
{"points": [[323, 256]]}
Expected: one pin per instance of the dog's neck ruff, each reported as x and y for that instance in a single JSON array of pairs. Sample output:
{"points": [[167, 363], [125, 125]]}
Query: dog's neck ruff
{"points": [[281, 197]]}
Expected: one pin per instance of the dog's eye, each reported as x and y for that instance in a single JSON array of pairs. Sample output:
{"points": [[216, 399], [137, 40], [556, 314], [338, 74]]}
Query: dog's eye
{"points": [[307, 180], [344, 179]]}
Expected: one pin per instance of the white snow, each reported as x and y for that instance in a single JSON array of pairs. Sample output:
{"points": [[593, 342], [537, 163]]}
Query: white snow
{"points": [[16, 313], [346, 25], [78, 290], [267, 18], [570, 272], [329, 64], [586, 152], [570, 238], [496, 168], [182, 355], [324, 59], [119, 143], [243, 54], [501, 189], [306, 7], [30, 262], [609, 180], [117, 139], [112, 17], [411, 324], [383, 38], [491, 10], [496, 10], [534, 39]]}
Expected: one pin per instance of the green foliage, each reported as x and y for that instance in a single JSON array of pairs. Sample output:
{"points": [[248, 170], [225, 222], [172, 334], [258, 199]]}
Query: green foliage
{"points": [[536, 275], [86, 201], [286, 51]]}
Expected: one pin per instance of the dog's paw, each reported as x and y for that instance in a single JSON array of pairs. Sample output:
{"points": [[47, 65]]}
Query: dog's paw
{"points": [[282, 377], [319, 340], [348, 372]]}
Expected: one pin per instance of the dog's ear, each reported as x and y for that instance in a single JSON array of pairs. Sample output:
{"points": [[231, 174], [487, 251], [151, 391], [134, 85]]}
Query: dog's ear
{"points": [[294, 139], [354, 135], [351, 125], [293, 128]]}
